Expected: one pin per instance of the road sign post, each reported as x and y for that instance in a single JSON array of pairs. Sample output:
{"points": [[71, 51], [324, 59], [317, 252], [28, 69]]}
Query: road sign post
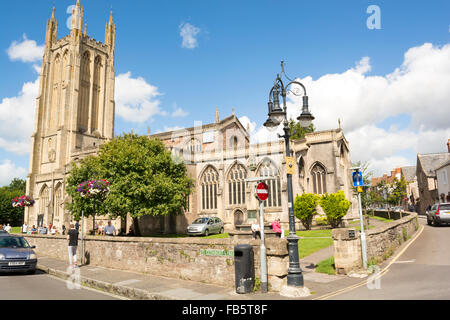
{"points": [[262, 193], [358, 182]]}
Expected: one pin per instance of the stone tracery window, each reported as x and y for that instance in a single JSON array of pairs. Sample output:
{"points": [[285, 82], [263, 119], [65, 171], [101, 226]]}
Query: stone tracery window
{"points": [[318, 177], [58, 200], [210, 185], [268, 169], [236, 184], [194, 146], [43, 200]]}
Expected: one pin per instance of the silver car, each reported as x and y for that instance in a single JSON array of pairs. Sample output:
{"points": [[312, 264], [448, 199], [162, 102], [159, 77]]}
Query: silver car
{"points": [[205, 226], [439, 213], [16, 255]]}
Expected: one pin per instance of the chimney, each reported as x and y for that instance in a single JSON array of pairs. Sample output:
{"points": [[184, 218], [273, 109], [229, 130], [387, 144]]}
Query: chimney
{"points": [[448, 145]]}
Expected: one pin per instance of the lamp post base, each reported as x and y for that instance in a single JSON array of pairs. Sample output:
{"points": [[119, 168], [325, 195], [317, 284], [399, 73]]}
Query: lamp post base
{"points": [[294, 292]]}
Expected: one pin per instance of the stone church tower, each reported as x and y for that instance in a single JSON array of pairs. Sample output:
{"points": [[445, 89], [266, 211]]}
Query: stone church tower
{"points": [[74, 113]]}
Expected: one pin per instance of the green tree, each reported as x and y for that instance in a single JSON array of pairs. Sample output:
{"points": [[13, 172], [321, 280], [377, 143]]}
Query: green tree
{"points": [[297, 131], [144, 178], [305, 208], [87, 169], [9, 214], [398, 191], [335, 206]]}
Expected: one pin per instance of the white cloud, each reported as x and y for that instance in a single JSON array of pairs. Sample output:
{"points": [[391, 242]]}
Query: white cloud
{"points": [[188, 33], [179, 112], [9, 171], [25, 51], [136, 100], [167, 129], [418, 88], [17, 119]]}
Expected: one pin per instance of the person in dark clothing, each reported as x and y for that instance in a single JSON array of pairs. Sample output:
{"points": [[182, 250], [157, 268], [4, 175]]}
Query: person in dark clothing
{"points": [[77, 226], [72, 236], [63, 229]]}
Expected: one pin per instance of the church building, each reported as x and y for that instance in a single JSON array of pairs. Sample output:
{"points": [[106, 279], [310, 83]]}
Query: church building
{"points": [[75, 113]]}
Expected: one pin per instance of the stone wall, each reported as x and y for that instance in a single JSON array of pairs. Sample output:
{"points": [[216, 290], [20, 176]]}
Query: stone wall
{"points": [[181, 258], [381, 241]]}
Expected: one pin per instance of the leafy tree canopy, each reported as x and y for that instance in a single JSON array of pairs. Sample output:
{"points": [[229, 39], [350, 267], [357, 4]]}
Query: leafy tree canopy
{"points": [[335, 206], [305, 208], [297, 131], [144, 178], [9, 214]]}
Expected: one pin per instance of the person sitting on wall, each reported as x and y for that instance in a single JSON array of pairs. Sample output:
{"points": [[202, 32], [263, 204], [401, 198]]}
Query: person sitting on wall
{"points": [[53, 231], [276, 227], [109, 229], [256, 230], [33, 230]]}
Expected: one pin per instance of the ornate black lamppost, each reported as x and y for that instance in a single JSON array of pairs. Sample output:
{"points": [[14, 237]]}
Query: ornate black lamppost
{"points": [[277, 115]]}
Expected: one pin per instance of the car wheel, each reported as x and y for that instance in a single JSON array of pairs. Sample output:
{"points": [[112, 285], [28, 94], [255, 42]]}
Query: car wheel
{"points": [[429, 221], [221, 230], [206, 232], [31, 271], [436, 224]]}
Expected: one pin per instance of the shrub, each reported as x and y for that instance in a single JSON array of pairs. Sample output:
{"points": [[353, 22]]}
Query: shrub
{"points": [[335, 206], [322, 221], [305, 208]]}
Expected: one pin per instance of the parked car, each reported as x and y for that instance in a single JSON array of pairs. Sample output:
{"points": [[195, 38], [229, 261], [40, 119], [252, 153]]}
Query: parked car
{"points": [[16, 255], [205, 226], [439, 213]]}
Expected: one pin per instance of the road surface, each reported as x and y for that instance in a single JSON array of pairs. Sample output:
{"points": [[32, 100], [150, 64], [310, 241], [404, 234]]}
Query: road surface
{"points": [[42, 286], [421, 272]]}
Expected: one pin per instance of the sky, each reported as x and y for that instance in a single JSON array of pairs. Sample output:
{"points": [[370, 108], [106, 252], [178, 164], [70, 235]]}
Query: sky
{"points": [[381, 67]]}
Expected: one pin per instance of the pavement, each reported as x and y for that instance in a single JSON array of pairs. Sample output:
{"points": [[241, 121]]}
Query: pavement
{"points": [[141, 286]]}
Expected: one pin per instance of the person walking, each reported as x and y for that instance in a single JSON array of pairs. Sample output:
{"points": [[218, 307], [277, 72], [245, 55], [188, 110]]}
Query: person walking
{"points": [[109, 229], [72, 236], [77, 226], [63, 230]]}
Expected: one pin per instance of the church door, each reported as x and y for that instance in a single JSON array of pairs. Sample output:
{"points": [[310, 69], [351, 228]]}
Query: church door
{"points": [[238, 218]]}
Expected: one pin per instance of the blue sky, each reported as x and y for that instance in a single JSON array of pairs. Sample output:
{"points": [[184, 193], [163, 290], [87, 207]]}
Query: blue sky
{"points": [[234, 56]]}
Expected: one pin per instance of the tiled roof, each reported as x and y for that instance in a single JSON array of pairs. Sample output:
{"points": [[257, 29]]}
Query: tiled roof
{"points": [[432, 161], [409, 173]]}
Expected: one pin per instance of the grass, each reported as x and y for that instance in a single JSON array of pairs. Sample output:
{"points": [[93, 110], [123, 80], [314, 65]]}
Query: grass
{"points": [[314, 241], [326, 266], [381, 219], [16, 230]]}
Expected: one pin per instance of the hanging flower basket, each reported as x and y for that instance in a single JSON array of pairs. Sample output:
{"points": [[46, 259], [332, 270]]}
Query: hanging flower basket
{"points": [[93, 188], [22, 201]]}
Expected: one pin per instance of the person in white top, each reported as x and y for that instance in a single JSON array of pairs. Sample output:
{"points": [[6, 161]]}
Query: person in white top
{"points": [[256, 230], [8, 228], [53, 231], [24, 228]]}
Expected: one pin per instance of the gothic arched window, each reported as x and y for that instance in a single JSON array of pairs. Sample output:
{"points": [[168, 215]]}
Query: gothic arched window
{"points": [[268, 169], [301, 168], [43, 200], [318, 177], [194, 146], [96, 93], [83, 108], [210, 185], [58, 200], [236, 184]]}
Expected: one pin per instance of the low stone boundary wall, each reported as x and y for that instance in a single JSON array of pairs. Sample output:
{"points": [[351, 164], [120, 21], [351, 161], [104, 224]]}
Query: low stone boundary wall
{"points": [[197, 259], [381, 241]]}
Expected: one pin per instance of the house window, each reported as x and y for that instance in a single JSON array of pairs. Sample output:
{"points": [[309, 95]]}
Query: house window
{"points": [[268, 169], [236, 185], [210, 184], [318, 177]]}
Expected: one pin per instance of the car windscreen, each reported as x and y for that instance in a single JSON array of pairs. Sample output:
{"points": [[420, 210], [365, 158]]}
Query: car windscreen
{"points": [[444, 207], [200, 221], [13, 242]]}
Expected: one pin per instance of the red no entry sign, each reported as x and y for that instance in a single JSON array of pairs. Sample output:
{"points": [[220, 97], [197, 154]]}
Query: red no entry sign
{"points": [[262, 191]]}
